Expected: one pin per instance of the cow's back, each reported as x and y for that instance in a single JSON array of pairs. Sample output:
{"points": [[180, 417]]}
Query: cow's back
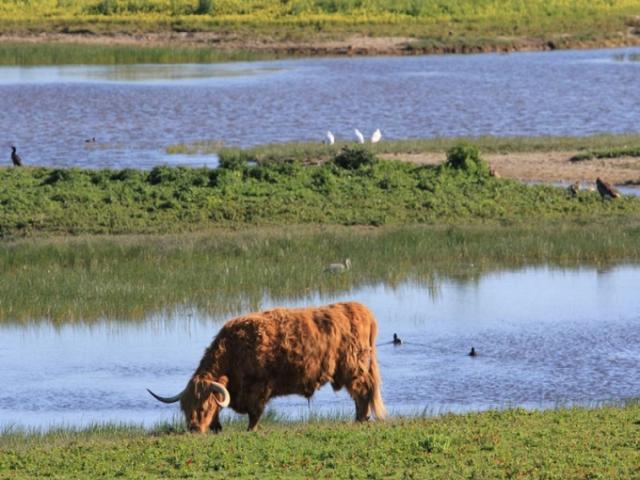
{"points": [[296, 350]]}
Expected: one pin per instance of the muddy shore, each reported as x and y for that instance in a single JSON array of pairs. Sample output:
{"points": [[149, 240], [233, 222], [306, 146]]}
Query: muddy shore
{"points": [[318, 45]]}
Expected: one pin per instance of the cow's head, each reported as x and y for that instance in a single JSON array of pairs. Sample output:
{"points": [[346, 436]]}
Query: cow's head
{"points": [[200, 401]]}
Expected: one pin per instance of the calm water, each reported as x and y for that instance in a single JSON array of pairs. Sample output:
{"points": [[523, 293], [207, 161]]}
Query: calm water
{"points": [[545, 337], [136, 111]]}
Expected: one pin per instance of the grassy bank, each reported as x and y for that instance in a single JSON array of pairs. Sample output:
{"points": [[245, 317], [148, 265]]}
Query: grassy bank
{"points": [[314, 152], [353, 189], [225, 272], [310, 26], [94, 54], [556, 444]]}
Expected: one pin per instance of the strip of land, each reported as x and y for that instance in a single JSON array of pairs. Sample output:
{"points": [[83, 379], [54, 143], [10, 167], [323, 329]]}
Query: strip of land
{"points": [[306, 28], [554, 444]]}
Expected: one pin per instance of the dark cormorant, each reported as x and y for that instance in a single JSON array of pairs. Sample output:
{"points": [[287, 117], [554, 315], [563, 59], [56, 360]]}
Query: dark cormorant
{"points": [[15, 158]]}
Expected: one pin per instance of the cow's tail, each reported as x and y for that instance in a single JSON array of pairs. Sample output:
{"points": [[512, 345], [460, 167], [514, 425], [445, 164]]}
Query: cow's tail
{"points": [[375, 404]]}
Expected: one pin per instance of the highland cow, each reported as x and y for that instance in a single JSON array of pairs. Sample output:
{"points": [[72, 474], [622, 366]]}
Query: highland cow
{"points": [[281, 352]]}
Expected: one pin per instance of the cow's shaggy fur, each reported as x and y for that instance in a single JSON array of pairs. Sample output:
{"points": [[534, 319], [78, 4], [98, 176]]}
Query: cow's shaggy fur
{"points": [[287, 351]]}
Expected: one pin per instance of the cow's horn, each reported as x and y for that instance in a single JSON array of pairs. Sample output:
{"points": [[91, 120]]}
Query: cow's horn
{"points": [[173, 399], [218, 387]]}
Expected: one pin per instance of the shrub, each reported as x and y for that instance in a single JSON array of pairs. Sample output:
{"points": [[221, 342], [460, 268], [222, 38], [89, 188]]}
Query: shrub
{"points": [[204, 7], [354, 158], [466, 157]]}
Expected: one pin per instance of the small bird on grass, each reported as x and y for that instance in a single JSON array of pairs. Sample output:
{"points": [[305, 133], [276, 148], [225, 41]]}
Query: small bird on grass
{"points": [[15, 158], [574, 188], [605, 190]]}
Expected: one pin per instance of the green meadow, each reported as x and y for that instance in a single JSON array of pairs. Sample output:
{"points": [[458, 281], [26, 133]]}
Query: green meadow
{"points": [[427, 25], [315, 152], [574, 443], [489, 17]]}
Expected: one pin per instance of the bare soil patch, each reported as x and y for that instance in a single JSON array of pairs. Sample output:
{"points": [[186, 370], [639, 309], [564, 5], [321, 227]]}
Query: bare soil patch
{"points": [[546, 166]]}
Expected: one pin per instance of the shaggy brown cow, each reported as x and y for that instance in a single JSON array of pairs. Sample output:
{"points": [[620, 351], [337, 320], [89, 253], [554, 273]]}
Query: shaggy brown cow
{"points": [[281, 352]]}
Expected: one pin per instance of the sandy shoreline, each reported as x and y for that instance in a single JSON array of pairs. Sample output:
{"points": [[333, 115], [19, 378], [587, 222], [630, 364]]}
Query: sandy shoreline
{"points": [[547, 166], [320, 46]]}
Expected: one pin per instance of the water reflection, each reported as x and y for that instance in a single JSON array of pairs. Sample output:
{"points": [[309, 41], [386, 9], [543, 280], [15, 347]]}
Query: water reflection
{"points": [[544, 336]]}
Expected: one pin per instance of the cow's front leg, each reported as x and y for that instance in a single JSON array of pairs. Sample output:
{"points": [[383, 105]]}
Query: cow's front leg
{"points": [[215, 426], [254, 417]]}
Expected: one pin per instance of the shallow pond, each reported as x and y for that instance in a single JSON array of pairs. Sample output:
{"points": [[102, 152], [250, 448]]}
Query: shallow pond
{"points": [[545, 337], [134, 112]]}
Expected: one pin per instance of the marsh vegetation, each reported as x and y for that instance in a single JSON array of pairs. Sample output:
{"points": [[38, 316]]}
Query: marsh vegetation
{"points": [[355, 188], [229, 272]]}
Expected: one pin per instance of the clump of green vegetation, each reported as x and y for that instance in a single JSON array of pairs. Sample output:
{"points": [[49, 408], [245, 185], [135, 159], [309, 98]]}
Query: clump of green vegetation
{"points": [[355, 158], [552, 444], [43, 200], [467, 157], [612, 152]]}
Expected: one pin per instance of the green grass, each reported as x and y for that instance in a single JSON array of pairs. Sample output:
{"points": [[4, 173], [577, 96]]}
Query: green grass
{"points": [[317, 152], [167, 200], [95, 54], [556, 444], [451, 25], [226, 272], [610, 152]]}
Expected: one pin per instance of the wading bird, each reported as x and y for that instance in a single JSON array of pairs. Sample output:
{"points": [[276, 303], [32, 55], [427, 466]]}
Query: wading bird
{"points": [[330, 138], [339, 267], [377, 135], [605, 190], [15, 158], [359, 136]]}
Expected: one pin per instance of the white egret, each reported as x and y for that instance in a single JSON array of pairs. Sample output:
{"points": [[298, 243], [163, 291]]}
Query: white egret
{"points": [[377, 135], [359, 136], [331, 139]]}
